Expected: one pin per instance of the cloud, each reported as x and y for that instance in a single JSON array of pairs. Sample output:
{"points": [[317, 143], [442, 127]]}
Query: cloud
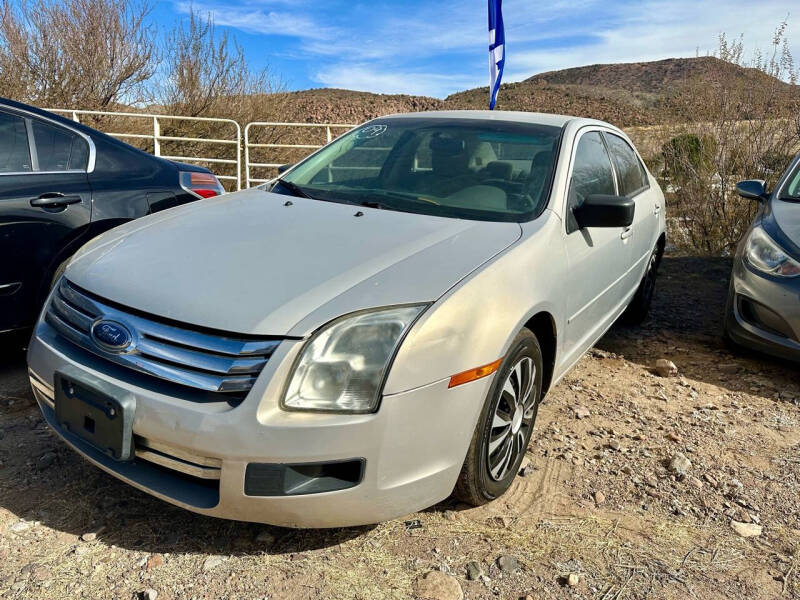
{"points": [[371, 78], [261, 21]]}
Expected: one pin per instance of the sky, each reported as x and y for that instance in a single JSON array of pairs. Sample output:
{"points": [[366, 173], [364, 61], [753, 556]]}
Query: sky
{"points": [[438, 47]]}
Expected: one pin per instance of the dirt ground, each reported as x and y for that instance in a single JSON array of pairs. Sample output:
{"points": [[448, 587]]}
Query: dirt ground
{"points": [[606, 508]]}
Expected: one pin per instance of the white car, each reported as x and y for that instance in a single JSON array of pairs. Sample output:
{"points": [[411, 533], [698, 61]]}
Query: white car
{"points": [[362, 337]]}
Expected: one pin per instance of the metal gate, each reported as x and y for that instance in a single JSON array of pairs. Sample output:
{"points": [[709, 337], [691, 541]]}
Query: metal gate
{"points": [[271, 149], [266, 144]]}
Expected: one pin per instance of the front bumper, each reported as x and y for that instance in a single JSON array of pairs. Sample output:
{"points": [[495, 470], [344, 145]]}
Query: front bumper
{"points": [[412, 448], [764, 312]]}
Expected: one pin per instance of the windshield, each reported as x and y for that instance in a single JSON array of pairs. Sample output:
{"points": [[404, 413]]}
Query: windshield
{"points": [[463, 168], [791, 190]]}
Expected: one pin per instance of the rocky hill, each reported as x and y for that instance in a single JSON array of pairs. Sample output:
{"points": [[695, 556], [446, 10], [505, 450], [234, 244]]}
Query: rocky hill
{"points": [[626, 94]]}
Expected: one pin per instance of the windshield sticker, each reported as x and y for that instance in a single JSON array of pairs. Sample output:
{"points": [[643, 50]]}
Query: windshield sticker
{"points": [[370, 131]]}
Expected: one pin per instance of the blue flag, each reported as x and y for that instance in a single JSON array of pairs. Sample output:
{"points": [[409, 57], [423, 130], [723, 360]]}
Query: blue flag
{"points": [[497, 49]]}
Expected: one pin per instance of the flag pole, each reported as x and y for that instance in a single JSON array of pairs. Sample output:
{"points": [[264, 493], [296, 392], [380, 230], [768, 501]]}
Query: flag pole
{"points": [[497, 49]]}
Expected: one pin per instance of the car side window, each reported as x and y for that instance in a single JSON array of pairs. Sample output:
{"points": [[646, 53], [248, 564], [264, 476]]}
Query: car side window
{"points": [[59, 149], [15, 153], [591, 174], [631, 175]]}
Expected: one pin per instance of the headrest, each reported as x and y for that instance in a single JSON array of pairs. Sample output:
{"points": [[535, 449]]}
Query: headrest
{"points": [[500, 170]]}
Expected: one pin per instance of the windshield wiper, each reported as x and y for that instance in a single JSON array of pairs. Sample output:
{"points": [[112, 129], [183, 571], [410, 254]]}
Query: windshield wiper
{"points": [[373, 204], [295, 189]]}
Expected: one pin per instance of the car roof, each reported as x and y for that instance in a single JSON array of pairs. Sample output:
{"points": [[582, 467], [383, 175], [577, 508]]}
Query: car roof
{"points": [[504, 115]]}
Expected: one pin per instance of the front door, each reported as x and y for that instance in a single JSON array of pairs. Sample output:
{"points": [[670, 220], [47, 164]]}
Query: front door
{"points": [[599, 258], [44, 199]]}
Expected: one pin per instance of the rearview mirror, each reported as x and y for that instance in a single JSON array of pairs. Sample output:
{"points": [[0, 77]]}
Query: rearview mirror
{"points": [[283, 168], [600, 210], [752, 189]]}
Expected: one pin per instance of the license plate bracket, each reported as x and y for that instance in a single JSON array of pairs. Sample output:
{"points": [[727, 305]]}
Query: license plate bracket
{"points": [[97, 412]]}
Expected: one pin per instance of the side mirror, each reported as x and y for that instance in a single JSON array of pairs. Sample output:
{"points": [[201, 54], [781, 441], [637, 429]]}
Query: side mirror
{"points": [[752, 189], [599, 210], [283, 168]]}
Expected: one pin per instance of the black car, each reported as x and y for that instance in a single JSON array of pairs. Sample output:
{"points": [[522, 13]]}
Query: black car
{"points": [[63, 183]]}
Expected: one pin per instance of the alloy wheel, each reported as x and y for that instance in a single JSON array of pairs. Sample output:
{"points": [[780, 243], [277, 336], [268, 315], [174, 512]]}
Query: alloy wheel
{"points": [[512, 420]]}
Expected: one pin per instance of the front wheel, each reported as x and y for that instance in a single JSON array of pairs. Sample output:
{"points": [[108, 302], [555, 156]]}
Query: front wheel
{"points": [[505, 426]]}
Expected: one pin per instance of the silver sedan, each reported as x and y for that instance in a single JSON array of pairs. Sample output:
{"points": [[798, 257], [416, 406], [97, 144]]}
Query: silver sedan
{"points": [[362, 337]]}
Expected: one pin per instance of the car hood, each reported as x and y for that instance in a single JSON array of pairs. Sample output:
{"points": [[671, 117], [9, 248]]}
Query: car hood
{"points": [[259, 263]]}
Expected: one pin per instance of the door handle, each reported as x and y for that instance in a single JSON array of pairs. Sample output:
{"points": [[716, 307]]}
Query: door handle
{"points": [[626, 233], [55, 200], [656, 209]]}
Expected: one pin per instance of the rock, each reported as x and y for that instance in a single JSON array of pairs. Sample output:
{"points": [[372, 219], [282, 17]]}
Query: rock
{"points": [[20, 526], [599, 498], [614, 445], [680, 465], [498, 521], [436, 585], [266, 537], [746, 530], [673, 437], [573, 579], [212, 562], [666, 368], [581, 412], [148, 594], [89, 536], [474, 570], [46, 461], [449, 515], [695, 482], [508, 563], [154, 562]]}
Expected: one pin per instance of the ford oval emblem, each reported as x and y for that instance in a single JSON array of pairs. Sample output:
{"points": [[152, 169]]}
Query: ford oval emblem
{"points": [[112, 336]]}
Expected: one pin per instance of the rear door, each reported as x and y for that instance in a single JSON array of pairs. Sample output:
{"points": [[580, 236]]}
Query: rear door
{"points": [[633, 182], [599, 257], [45, 200]]}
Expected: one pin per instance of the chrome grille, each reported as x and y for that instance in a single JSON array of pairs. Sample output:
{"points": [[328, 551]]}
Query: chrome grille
{"points": [[213, 363]]}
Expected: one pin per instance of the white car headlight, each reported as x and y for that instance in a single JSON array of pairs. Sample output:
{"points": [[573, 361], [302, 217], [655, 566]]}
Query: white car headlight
{"points": [[766, 256], [342, 367]]}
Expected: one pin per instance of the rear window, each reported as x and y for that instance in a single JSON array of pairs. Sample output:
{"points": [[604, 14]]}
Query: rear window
{"points": [[15, 155], [59, 149]]}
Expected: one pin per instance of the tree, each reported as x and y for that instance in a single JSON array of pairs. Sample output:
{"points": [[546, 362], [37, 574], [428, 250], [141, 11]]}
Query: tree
{"points": [[89, 54], [207, 74]]}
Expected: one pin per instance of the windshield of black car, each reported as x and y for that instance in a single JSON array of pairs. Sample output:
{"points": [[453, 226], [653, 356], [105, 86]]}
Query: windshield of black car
{"points": [[464, 168], [791, 191]]}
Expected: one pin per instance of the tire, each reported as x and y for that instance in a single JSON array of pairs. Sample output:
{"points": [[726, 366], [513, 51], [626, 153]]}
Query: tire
{"points": [[639, 307], [486, 474]]}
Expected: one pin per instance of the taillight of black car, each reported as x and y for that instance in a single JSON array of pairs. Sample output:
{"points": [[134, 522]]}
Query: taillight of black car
{"points": [[202, 185]]}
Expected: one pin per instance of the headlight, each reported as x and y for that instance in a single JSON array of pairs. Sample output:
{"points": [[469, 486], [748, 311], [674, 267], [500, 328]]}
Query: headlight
{"points": [[342, 367], [766, 256]]}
